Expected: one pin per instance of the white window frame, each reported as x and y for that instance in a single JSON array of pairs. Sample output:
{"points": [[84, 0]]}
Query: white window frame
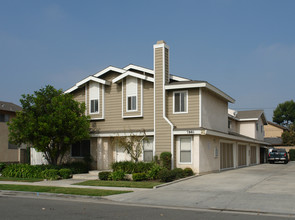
{"points": [[151, 140], [91, 99], [133, 95], [186, 102], [179, 150]]}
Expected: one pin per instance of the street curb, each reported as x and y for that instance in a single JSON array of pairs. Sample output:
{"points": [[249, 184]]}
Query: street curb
{"points": [[175, 181]]}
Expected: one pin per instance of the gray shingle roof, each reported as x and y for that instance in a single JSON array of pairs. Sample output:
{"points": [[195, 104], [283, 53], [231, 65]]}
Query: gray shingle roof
{"points": [[249, 114], [10, 107], [274, 141]]}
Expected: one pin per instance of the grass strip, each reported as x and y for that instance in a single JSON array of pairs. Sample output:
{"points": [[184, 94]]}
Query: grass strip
{"points": [[63, 190], [30, 180], [131, 184]]}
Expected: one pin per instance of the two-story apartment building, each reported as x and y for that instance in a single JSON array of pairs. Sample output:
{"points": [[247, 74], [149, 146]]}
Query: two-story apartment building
{"points": [[185, 117], [9, 152]]}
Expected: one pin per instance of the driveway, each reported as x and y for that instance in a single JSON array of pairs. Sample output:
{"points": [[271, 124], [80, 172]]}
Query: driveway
{"points": [[266, 188]]}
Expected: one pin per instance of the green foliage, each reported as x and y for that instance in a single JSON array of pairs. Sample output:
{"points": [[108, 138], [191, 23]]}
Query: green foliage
{"points": [[284, 114], [132, 144], [77, 167], [139, 176], [153, 173], [50, 174], [104, 175], [118, 175], [166, 175], [2, 166], [165, 158], [65, 173], [156, 159], [132, 167], [50, 121], [188, 172], [179, 173], [292, 154], [288, 136]]}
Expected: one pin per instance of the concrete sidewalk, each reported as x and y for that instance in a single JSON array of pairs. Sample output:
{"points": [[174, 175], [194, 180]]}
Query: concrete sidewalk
{"points": [[69, 182]]}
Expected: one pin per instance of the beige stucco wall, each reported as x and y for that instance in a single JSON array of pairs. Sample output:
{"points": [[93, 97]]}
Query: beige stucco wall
{"points": [[247, 129], [272, 131], [214, 112]]}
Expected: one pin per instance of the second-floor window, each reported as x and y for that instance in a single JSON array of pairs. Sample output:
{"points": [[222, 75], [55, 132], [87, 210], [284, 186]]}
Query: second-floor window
{"points": [[94, 97], [4, 118], [131, 93], [180, 102]]}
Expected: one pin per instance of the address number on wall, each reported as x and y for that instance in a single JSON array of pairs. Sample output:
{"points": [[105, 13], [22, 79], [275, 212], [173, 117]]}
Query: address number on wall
{"points": [[190, 132]]}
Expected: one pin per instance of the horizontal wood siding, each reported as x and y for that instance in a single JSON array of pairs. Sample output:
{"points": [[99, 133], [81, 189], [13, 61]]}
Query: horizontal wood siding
{"points": [[162, 128], [185, 120], [79, 95]]}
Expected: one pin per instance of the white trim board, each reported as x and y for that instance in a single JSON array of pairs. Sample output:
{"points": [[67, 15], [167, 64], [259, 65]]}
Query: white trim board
{"points": [[136, 75]]}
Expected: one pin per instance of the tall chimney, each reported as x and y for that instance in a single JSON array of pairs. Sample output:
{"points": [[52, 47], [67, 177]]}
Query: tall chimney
{"points": [[163, 128]]}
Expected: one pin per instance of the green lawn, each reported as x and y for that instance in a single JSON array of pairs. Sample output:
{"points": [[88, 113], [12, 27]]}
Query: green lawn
{"points": [[31, 180], [131, 184], [63, 190]]}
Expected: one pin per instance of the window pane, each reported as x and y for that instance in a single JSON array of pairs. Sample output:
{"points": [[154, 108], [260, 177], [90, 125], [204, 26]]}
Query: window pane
{"points": [[133, 102], [85, 148], [147, 156], [76, 150], [94, 106], [185, 144], [185, 157], [177, 102], [182, 95], [2, 118]]}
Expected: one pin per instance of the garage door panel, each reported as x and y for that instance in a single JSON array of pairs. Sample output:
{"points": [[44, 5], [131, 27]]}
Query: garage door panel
{"points": [[226, 156]]}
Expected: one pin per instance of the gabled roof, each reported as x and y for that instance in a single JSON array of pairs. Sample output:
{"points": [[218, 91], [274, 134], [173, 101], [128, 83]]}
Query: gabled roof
{"points": [[9, 107], [251, 115], [198, 84], [140, 68], [277, 125], [136, 75], [277, 141]]}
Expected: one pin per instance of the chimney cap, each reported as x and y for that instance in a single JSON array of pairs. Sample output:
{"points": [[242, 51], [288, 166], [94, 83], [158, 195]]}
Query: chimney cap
{"points": [[161, 42]]}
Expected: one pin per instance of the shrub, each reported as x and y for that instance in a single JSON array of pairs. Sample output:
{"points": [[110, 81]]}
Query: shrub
{"points": [[22, 171], [77, 167], [188, 172], [153, 173], [139, 176], [132, 167], [118, 175], [2, 166], [166, 175], [104, 175], [156, 159], [179, 173], [50, 174], [165, 158], [292, 154], [65, 173]]}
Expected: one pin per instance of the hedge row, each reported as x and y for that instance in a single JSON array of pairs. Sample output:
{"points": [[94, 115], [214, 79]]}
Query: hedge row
{"points": [[44, 171], [163, 174], [131, 167]]}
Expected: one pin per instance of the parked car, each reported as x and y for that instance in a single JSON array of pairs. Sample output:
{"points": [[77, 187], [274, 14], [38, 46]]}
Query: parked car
{"points": [[278, 155]]}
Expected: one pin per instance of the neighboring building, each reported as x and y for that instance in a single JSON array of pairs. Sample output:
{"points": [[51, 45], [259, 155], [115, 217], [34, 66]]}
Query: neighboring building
{"points": [[273, 135], [9, 152], [251, 124], [187, 118]]}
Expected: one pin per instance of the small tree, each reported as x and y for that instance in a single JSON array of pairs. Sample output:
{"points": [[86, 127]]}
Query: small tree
{"points": [[288, 136], [51, 122], [132, 144], [284, 114]]}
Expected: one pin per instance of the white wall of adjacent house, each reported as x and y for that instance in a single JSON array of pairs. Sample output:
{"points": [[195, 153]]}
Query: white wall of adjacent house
{"points": [[247, 128], [214, 112], [37, 158], [260, 130]]}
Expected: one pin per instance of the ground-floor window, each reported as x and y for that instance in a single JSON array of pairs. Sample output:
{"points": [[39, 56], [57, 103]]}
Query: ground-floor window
{"points": [[148, 146], [81, 149], [185, 147]]}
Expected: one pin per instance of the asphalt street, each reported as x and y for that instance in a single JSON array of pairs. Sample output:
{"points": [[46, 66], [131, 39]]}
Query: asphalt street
{"points": [[43, 209]]}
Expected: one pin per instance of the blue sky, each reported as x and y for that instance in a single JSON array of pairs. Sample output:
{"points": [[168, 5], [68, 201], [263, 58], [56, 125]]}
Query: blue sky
{"points": [[245, 48]]}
